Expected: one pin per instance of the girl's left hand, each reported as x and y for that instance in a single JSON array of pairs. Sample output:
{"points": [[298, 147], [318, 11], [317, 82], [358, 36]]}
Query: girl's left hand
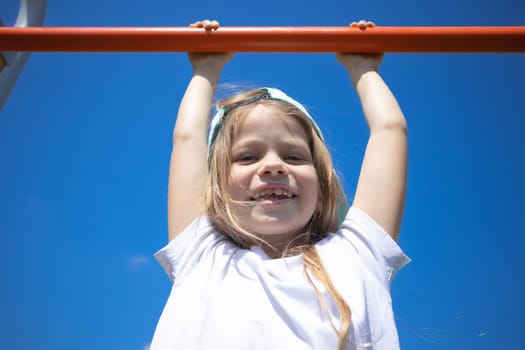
{"points": [[206, 24], [213, 61]]}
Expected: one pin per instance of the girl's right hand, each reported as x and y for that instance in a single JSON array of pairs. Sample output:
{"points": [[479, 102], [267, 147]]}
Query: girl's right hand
{"points": [[208, 61], [358, 64]]}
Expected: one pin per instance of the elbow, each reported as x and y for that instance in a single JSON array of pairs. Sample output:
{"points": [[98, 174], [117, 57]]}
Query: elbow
{"points": [[180, 136], [190, 143], [398, 126], [184, 136]]}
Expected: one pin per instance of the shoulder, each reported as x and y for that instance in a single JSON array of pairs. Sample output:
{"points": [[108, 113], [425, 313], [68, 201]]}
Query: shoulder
{"points": [[190, 247], [362, 238]]}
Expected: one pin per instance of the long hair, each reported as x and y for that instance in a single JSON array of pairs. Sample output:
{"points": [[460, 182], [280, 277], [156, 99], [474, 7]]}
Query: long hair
{"points": [[219, 204]]}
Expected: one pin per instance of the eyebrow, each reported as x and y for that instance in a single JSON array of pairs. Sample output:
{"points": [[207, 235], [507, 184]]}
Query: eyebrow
{"points": [[257, 141]]}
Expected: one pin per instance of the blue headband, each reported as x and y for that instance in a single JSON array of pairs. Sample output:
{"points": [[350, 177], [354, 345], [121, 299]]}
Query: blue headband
{"points": [[267, 93], [264, 94]]}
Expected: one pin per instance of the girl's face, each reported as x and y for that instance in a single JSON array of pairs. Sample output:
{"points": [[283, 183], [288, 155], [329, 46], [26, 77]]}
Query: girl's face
{"points": [[272, 176]]}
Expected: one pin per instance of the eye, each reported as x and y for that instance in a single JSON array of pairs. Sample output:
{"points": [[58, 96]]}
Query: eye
{"points": [[297, 155], [298, 158], [245, 158], [293, 158]]}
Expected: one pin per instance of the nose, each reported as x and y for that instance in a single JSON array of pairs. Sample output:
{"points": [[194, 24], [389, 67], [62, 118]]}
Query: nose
{"points": [[273, 165]]}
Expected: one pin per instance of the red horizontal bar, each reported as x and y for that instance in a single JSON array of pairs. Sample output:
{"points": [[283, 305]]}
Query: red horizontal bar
{"points": [[264, 39]]}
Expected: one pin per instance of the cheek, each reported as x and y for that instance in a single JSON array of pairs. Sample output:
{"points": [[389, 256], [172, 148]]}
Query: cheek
{"points": [[238, 183], [315, 191]]}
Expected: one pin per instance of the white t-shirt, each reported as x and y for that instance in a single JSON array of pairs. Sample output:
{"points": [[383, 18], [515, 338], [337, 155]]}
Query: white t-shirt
{"points": [[225, 297]]}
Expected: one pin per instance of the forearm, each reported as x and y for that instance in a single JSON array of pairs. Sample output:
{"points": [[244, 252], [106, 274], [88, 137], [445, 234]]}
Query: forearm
{"points": [[380, 107], [194, 111]]}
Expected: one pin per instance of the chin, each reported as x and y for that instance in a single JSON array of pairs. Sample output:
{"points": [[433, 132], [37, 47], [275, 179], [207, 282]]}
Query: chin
{"points": [[268, 224], [272, 227]]}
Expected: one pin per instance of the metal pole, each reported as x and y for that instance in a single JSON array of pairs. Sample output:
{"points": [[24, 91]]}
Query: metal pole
{"points": [[266, 39], [30, 13]]}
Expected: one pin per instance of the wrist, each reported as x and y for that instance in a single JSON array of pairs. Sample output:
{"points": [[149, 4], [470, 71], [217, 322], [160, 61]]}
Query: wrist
{"points": [[357, 75], [211, 73], [358, 65], [208, 64]]}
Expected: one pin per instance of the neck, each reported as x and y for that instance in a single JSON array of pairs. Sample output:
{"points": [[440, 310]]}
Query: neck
{"points": [[283, 246]]}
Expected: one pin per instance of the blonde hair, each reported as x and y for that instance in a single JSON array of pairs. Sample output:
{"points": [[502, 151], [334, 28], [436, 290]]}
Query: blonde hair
{"points": [[219, 204]]}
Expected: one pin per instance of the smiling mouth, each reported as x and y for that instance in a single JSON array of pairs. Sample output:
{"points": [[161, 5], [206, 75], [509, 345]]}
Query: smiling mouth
{"points": [[272, 194]]}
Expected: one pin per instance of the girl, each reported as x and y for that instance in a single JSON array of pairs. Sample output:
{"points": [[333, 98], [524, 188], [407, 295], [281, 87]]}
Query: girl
{"points": [[259, 253]]}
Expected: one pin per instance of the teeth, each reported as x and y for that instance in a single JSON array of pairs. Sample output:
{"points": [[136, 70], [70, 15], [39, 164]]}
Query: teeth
{"points": [[273, 191]]}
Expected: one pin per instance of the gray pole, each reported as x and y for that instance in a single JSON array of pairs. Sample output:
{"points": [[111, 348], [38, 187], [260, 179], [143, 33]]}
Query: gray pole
{"points": [[30, 14]]}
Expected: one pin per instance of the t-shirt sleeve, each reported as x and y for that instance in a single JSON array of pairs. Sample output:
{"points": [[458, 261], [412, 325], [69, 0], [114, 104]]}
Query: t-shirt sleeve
{"points": [[192, 245], [373, 242]]}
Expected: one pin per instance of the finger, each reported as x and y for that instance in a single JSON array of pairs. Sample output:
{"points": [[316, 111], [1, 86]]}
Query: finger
{"points": [[210, 24], [214, 24], [362, 24], [206, 24], [198, 24]]}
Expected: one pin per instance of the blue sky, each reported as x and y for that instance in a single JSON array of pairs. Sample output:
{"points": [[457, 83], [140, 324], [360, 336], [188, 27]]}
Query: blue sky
{"points": [[85, 141]]}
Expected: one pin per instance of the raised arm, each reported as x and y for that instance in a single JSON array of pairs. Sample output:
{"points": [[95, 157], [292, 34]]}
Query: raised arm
{"points": [[188, 165], [382, 182]]}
